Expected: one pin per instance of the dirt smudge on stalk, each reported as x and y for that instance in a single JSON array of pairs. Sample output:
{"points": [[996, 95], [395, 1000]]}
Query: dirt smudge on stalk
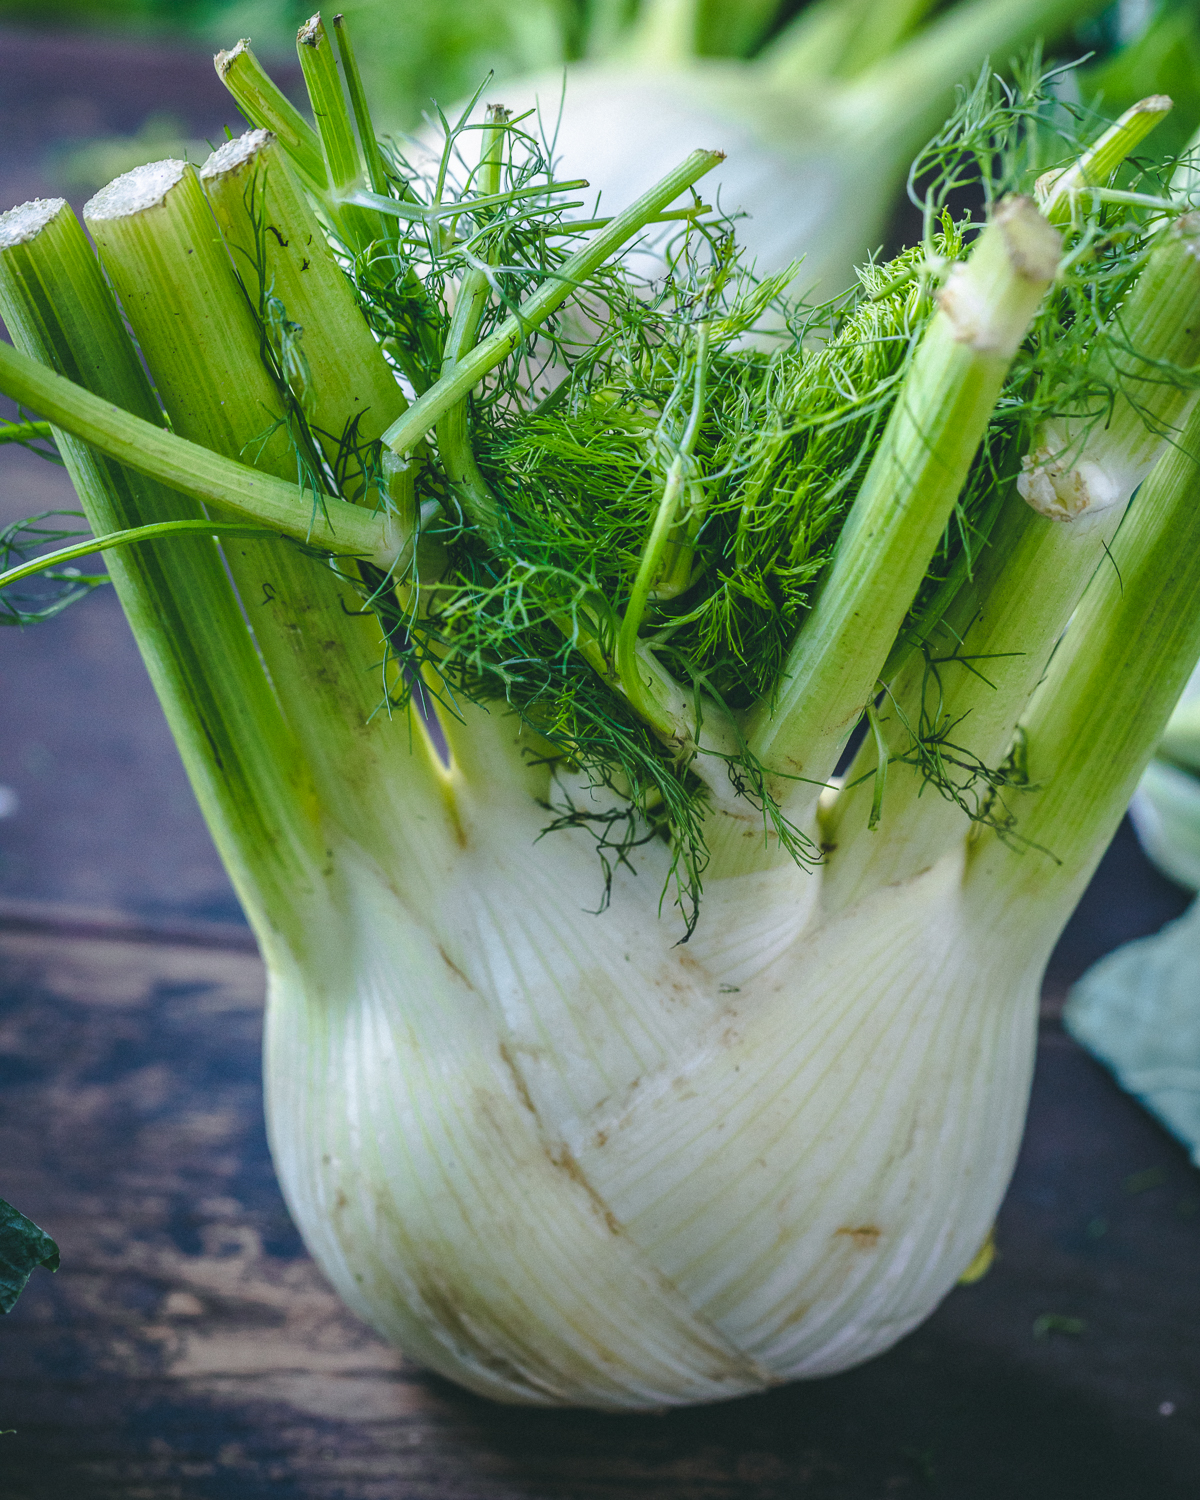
{"points": [[521, 1086], [564, 1160], [864, 1237], [453, 967]]}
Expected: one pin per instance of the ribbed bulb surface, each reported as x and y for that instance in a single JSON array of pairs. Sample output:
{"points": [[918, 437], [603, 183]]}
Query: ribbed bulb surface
{"points": [[562, 1160]]}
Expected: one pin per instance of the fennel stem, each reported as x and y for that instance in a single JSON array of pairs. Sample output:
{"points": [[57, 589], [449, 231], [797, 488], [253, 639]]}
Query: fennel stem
{"points": [[280, 252], [976, 672], [196, 324], [267, 107], [190, 468], [1098, 712], [240, 755], [376, 170], [128, 537], [340, 378], [474, 294], [24, 432], [663, 535], [361, 226], [512, 333], [907, 497], [1057, 191]]}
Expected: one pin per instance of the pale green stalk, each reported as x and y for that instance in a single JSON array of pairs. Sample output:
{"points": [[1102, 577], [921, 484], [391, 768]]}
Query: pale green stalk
{"points": [[1099, 711], [376, 170], [130, 535], [673, 568], [471, 300], [1181, 741], [403, 435], [328, 102], [281, 253], [451, 209], [24, 432], [1005, 623], [280, 250], [665, 542], [1185, 183], [241, 757], [275, 238], [906, 499], [193, 470], [342, 161], [267, 107], [1058, 193], [322, 647]]}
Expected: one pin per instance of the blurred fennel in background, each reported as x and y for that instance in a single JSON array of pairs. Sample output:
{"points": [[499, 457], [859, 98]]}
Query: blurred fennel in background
{"points": [[820, 106], [1138, 1008]]}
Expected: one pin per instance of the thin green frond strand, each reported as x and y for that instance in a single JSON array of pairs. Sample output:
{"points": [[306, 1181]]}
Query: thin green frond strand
{"points": [[190, 468], [131, 535]]}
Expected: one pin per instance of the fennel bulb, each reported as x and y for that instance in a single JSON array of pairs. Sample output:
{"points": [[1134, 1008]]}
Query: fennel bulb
{"points": [[1165, 810], [564, 1156], [819, 123]]}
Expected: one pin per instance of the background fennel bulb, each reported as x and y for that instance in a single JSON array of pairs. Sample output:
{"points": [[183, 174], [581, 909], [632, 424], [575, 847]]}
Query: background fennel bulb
{"points": [[1136, 1008], [566, 1157], [819, 113]]}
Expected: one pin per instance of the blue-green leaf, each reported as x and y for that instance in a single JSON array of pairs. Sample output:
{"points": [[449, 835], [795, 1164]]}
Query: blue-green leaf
{"points": [[23, 1247]]}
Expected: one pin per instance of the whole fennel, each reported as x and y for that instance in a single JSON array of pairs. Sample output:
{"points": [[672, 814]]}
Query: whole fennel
{"points": [[648, 580]]}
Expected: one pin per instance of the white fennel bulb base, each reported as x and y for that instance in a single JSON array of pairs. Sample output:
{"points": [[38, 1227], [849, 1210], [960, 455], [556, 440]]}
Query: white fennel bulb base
{"points": [[564, 1161]]}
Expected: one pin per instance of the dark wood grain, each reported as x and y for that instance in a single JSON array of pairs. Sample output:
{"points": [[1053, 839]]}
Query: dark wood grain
{"points": [[189, 1348]]}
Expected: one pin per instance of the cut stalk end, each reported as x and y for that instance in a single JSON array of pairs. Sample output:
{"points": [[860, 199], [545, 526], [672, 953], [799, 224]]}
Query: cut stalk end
{"points": [[989, 301], [1057, 192], [267, 107], [134, 192]]}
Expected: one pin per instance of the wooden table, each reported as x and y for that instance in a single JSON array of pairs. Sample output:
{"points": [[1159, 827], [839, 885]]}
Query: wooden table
{"points": [[189, 1348]]}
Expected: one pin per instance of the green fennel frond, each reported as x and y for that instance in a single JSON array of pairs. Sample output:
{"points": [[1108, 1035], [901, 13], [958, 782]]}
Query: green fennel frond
{"points": [[576, 434]]}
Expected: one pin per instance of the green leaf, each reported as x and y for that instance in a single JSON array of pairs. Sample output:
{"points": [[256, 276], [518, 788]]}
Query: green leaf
{"points": [[23, 1247]]}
